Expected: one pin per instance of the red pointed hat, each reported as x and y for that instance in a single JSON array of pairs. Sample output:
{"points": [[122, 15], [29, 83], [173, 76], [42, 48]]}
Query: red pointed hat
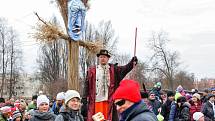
{"points": [[128, 90]]}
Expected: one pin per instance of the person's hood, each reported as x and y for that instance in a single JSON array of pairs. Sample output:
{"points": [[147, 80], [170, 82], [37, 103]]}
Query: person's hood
{"points": [[141, 107], [44, 115]]}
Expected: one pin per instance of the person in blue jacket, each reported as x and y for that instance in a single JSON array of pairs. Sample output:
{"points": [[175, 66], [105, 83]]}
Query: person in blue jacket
{"points": [[58, 103]]}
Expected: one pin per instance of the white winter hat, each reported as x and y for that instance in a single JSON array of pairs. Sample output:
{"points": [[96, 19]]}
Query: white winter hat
{"points": [[197, 115], [71, 94], [60, 96], [42, 99], [197, 96]]}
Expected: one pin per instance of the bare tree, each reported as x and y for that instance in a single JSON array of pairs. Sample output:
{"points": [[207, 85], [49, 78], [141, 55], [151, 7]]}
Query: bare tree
{"points": [[52, 65], [163, 59], [4, 35], [106, 33], [138, 73], [3, 39], [11, 58], [185, 79], [121, 59]]}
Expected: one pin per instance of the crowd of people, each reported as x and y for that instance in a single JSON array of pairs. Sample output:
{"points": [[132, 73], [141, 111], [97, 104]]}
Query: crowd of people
{"points": [[131, 104], [180, 105], [107, 97], [66, 107]]}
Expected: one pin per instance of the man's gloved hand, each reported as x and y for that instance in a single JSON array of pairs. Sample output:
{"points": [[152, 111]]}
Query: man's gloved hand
{"points": [[135, 60]]}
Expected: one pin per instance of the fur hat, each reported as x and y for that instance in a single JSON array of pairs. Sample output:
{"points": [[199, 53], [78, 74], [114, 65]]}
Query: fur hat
{"points": [[42, 99], [60, 96], [197, 96], [71, 94], [103, 52], [128, 90]]}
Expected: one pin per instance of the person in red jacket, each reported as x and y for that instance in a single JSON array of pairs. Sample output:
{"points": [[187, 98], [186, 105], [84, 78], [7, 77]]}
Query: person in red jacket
{"points": [[196, 105], [101, 82]]}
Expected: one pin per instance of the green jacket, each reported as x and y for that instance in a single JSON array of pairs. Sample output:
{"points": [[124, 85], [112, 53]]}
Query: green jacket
{"points": [[2, 118], [32, 106]]}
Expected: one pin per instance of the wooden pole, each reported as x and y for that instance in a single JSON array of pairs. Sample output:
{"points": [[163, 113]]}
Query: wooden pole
{"points": [[135, 43], [134, 64], [73, 65]]}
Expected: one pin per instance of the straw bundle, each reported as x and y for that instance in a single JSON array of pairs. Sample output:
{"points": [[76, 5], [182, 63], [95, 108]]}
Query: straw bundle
{"points": [[50, 32]]}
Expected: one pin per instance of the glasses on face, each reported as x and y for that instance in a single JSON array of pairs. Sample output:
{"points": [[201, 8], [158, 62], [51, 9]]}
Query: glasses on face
{"points": [[120, 103], [152, 95]]}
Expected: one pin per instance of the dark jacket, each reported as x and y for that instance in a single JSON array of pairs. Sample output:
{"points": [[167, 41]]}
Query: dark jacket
{"points": [[69, 116], [165, 109], [207, 110], [183, 113], [117, 73], [138, 112], [204, 99], [43, 116], [155, 105], [172, 111]]}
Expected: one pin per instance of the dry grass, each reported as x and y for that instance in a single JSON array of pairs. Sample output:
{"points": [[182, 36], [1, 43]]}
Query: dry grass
{"points": [[46, 32]]}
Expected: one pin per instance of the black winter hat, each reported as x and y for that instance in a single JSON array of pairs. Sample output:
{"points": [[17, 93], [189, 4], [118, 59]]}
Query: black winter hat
{"points": [[210, 95], [144, 94], [34, 97], [170, 93], [181, 99], [2, 100]]}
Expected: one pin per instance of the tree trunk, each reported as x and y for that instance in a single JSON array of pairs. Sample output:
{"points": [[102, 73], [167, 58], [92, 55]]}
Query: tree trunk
{"points": [[73, 66], [11, 89], [3, 66], [171, 84]]}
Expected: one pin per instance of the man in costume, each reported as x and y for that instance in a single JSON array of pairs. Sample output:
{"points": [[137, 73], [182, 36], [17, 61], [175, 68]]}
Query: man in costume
{"points": [[102, 81]]}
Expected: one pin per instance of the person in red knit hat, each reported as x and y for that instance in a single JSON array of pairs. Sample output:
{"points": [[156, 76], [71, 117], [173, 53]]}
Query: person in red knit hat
{"points": [[127, 99]]}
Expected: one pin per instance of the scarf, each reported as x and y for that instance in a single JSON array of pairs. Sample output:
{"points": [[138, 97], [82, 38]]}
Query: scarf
{"points": [[102, 82]]}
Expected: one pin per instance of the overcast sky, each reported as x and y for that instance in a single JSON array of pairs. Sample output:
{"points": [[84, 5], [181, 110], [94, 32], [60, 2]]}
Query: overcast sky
{"points": [[189, 23]]}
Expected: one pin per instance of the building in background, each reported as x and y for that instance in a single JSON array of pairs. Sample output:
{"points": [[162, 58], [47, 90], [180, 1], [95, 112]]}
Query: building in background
{"points": [[24, 86]]}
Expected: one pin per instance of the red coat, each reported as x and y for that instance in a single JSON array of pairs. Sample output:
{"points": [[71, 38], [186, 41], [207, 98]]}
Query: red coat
{"points": [[117, 73], [194, 108]]}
